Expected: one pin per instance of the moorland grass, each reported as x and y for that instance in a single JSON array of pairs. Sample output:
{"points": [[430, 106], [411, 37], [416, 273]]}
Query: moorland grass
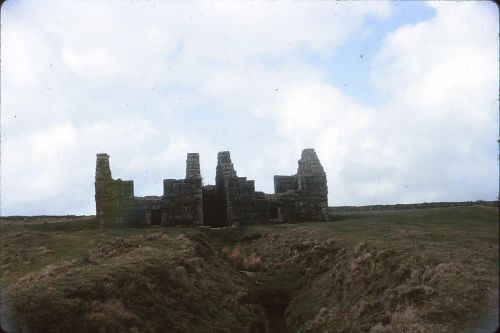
{"points": [[381, 271]]}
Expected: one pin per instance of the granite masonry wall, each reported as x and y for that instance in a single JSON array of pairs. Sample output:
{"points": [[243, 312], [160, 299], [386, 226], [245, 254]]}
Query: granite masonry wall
{"points": [[232, 201], [303, 196], [241, 204], [114, 198]]}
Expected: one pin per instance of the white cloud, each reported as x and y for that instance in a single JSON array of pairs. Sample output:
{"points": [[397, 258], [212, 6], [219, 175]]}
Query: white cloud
{"points": [[435, 138], [148, 82]]}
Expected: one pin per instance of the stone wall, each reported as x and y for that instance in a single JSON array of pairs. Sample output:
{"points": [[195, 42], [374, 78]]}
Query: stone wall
{"points": [[232, 201], [424, 205], [240, 203], [303, 196], [183, 204], [285, 183], [114, 198], [193, 178], [149, 210]]}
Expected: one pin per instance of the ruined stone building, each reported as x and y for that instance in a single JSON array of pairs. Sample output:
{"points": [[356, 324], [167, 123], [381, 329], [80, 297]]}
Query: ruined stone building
{"points": [[232, 201]]}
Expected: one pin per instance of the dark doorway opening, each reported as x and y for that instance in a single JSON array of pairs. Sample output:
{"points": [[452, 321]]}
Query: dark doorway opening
{"points": [[273, 212], [220, 198], [155, 217], [213, 208]]}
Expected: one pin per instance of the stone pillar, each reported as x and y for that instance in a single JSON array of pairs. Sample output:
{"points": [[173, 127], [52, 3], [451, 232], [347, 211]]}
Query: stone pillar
{"points": [[104, 196], [193, 176], [236, 196], [102, 170], [225, 167], [193, 166], [313, 185], [310, 173], [224, 170]]}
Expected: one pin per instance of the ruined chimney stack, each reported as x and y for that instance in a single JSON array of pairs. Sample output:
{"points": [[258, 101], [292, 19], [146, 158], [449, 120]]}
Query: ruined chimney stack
{"points": [[225, 167], [309, 164], [193, 166], [102, 170]]}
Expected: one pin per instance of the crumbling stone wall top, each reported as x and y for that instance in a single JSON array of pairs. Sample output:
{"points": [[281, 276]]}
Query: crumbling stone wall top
{"points": [[309, 163], [225, 167]]}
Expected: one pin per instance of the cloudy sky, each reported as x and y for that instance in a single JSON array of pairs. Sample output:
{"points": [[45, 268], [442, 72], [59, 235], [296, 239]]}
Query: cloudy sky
{"points": [[399, 99]]}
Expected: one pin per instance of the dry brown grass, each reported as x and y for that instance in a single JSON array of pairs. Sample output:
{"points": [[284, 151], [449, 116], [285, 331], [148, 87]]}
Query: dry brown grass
{"points": [[235, 257], [250, 263], [226, 250]]}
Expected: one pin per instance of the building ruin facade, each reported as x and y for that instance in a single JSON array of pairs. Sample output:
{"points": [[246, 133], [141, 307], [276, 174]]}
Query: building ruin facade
{"points": [[232, 201]]}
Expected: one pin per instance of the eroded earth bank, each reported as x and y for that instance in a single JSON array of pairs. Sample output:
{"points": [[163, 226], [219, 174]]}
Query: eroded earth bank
{"points": [[430, 270]]}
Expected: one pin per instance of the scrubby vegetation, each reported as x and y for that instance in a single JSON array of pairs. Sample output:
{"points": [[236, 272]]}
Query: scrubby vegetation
{"points": [[429, 270], [148, 282]]}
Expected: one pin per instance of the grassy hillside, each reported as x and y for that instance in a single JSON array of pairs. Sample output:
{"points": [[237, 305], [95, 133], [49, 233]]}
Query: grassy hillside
{"points": [[425, 270]]}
